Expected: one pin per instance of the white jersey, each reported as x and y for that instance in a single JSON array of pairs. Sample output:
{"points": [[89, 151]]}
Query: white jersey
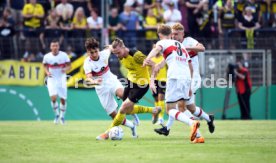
{"points": [[190, 42], [56, 63], [177, 59], [110, 83]]}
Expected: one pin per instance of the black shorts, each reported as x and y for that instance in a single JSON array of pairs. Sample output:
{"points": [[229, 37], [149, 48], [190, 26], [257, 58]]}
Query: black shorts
{"points": [[134, 92], [160, 88]]}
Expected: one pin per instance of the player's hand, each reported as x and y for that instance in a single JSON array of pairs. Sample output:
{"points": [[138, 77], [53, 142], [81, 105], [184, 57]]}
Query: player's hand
{"points": [[49, 74], [153, 86], [146, 62], [98, 81], [63, 70], [157, 68]]}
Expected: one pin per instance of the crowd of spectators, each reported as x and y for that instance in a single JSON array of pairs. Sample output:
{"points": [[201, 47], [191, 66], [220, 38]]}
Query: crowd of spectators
{"points": [[63, 19]]}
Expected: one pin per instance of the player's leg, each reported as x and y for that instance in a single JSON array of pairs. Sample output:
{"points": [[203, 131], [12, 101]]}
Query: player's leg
{"points": [[62, 93], [161, 88], [52, 90], [198, 112], [120, 93]]}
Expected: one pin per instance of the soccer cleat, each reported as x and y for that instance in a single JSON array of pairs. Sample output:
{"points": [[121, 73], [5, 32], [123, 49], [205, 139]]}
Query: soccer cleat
{"points": [[136, 120], [155, 114], [103, 136], [199, 140], [62, 120], [211, 123], [194, 128], [162, 131], [56, 119], [134, 132]]}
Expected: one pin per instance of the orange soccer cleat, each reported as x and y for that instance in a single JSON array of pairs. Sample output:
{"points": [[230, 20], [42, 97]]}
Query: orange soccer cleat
{"points": [[194, 128], [103, 136], [199, 140]]}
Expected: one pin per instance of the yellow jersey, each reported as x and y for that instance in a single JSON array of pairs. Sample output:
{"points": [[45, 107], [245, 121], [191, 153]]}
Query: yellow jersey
{"points": [[162, 74], [136, 72], [36, 10], [151, 35], [79, 24]]}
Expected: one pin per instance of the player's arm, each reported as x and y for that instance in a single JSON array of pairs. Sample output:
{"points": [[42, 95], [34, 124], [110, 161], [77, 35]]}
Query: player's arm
{"points": [[89, 79], [240, 75], [67, 67], [46, 70], [156, 50], [198, 48]]}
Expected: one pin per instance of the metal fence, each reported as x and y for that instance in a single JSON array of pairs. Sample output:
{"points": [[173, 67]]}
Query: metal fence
{"points": [[214, 64], [258, 60]]}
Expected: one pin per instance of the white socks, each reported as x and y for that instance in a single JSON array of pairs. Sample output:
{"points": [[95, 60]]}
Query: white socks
{"points": [[128, 123], [55, 107], [180, 116], [62, 110], [201, 114], [170, 122]]}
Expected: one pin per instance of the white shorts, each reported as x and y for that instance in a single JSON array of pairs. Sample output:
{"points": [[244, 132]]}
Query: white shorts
{"points": [[177, 89], [196, 84], [106, 92], [57, 87]]}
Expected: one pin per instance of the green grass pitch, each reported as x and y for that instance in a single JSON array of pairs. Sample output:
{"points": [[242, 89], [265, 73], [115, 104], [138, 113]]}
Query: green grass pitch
{"points": [[233, 141]]}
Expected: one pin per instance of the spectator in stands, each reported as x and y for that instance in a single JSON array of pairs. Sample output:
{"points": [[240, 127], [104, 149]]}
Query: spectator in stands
{"points": [[65, 10], [79, 19], [78, 34], [226, 21], [85, 4], [249, 24], [16, 7], [52, 27], [113, 22], [129, 22], [256, 9], [158, 11], [151, 25], [94, 20], [33, 14], [243, 89], [172, 15], [193, 7], [6, 32], [204, 21]]}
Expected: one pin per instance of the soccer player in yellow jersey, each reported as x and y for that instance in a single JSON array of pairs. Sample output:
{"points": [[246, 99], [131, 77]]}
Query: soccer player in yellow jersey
{"points": [[137, 85], [160, 82]]}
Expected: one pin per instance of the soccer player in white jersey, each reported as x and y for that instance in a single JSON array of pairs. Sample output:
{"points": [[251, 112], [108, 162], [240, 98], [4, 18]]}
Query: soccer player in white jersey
{"points": [[193, 47], [107, 85], [56, 63], [179, 75]]}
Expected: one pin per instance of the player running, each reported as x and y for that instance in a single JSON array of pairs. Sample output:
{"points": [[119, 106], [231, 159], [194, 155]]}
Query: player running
{"points": [[179, 75], [56, 64], [106, 83], [137, 85], [193, 47]]}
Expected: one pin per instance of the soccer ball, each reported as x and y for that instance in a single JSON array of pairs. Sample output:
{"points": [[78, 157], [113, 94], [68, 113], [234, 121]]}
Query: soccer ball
{"points": [[116, 133]]}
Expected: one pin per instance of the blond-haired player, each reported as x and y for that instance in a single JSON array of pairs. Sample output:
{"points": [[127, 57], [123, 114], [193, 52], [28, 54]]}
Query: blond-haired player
{"points": [[106, 83], [137, 85], [179, 75]]}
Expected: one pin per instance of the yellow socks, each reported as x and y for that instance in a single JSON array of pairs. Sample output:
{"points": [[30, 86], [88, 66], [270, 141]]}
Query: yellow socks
{"points": [[118, 120], [141, 109], [162, 105]]}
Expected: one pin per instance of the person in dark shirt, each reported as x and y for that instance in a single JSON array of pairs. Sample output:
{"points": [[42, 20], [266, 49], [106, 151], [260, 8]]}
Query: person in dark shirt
{"points": [[243, 89]]}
